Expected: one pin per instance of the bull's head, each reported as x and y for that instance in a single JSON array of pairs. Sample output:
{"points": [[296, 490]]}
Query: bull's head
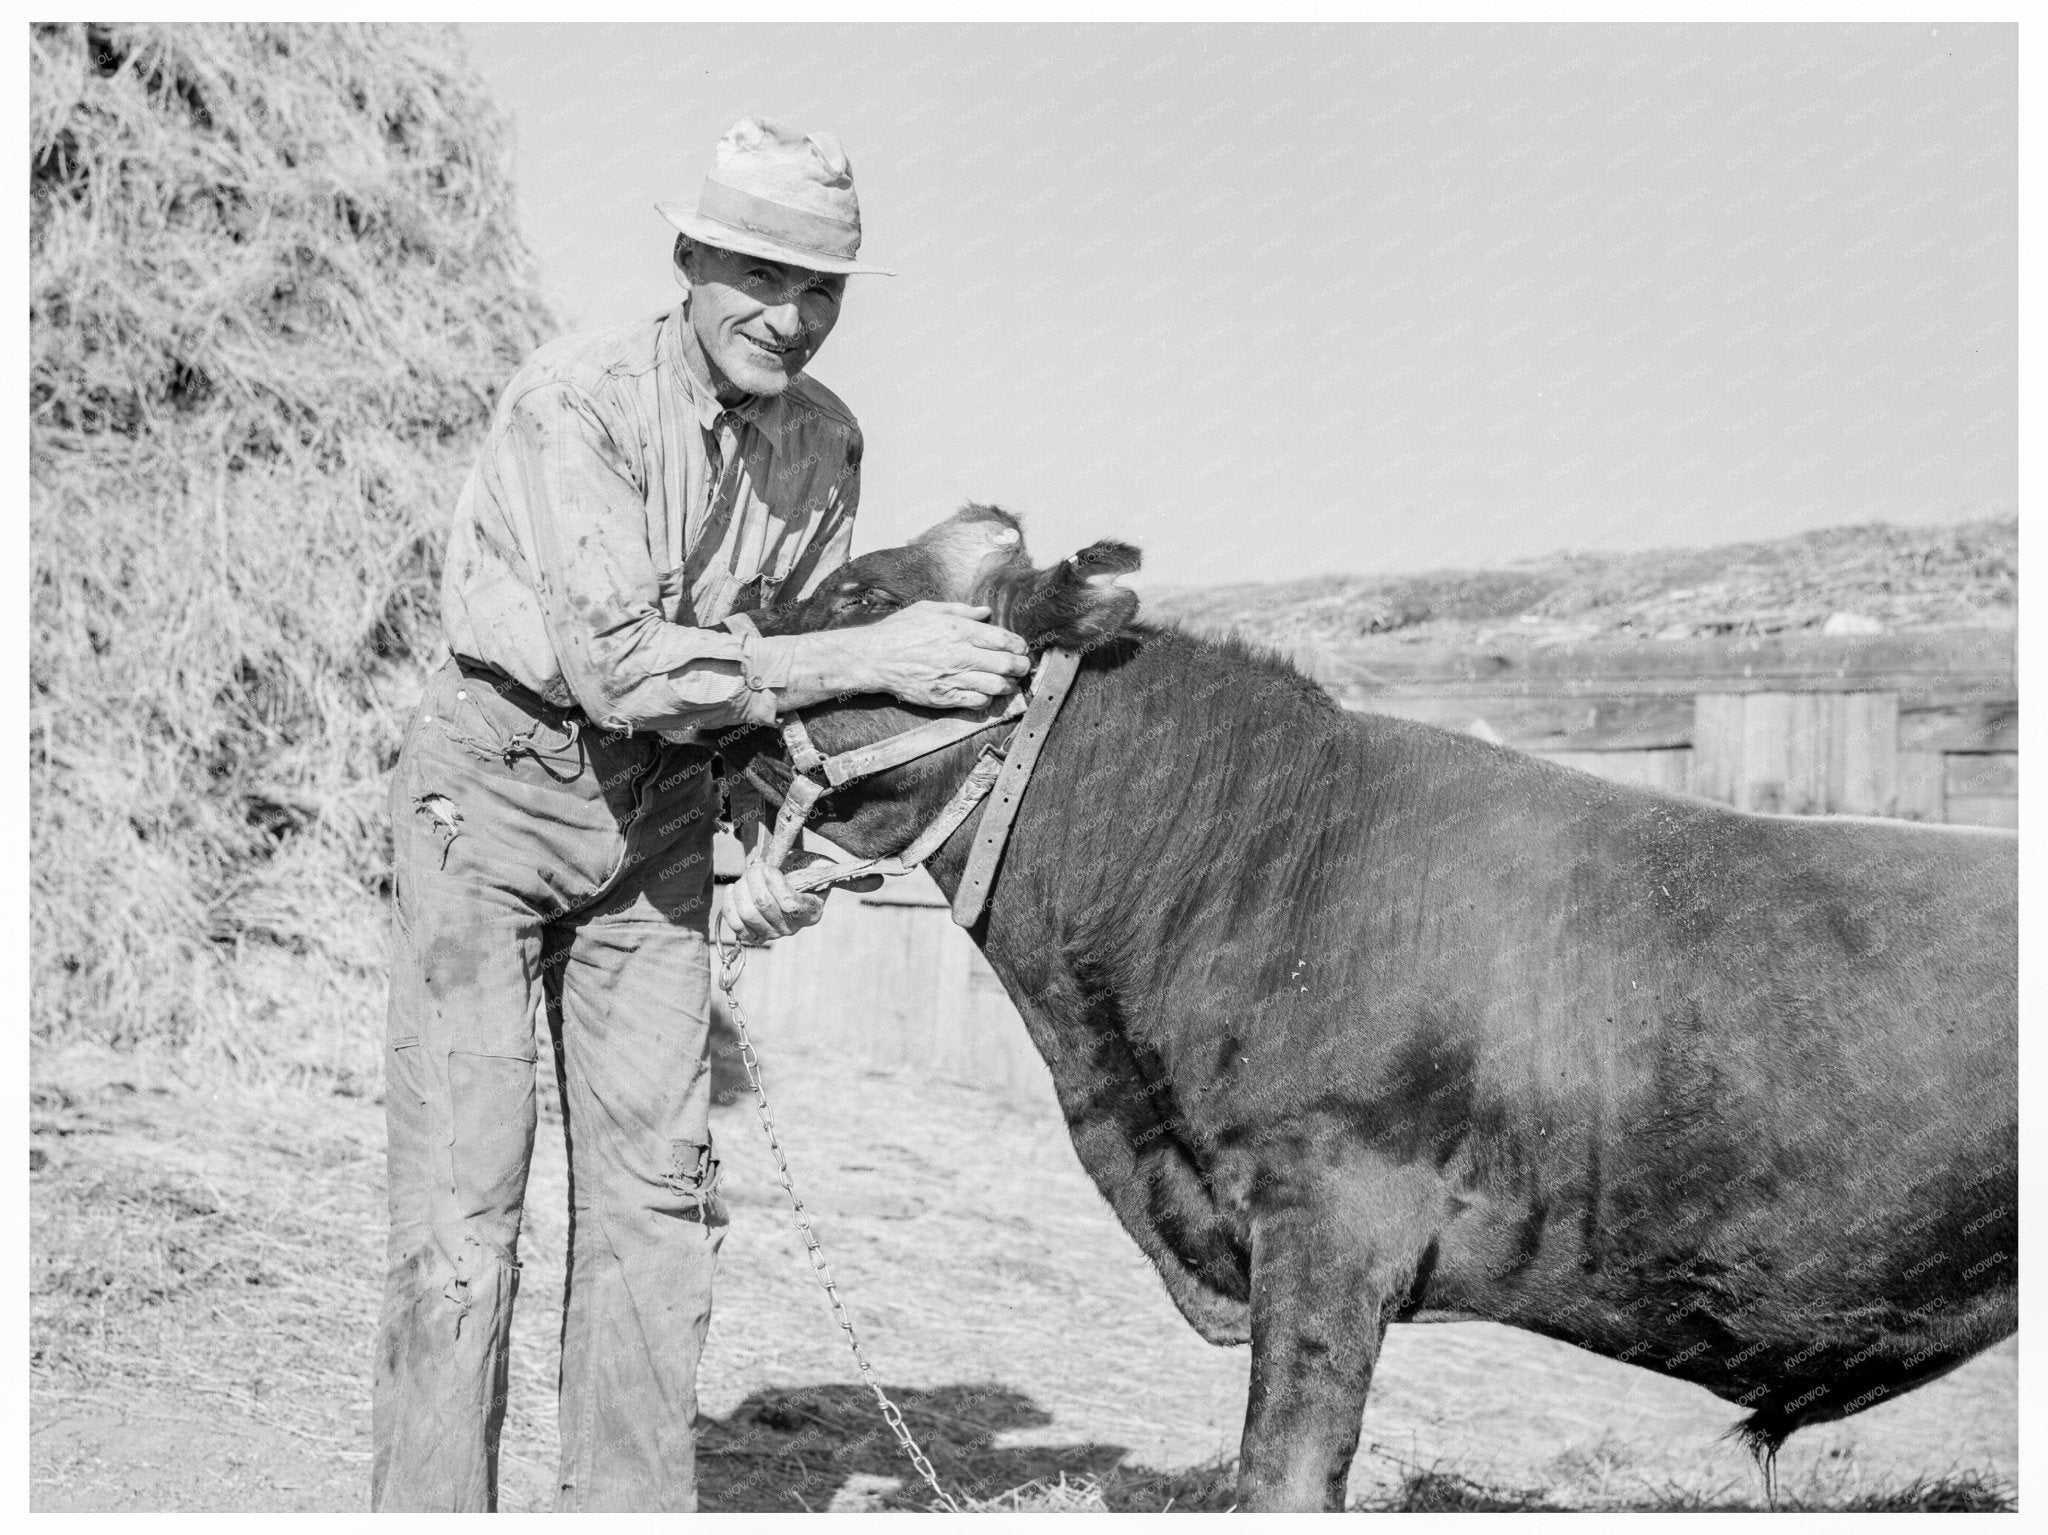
{"points": [[975, 556]]}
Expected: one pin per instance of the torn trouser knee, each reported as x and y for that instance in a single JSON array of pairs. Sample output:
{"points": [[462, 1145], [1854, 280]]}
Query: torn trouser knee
{"points": [[693, 1178], [441, 1372], [457, 1292], [476, 1264]]}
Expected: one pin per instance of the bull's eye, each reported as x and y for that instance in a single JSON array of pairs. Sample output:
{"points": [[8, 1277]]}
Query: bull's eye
{"points": [[855, 600]]}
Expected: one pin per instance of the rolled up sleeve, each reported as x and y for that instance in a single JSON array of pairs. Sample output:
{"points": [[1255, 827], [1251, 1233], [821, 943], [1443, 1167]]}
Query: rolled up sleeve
{"points": [[567, 484], [766, 664]]}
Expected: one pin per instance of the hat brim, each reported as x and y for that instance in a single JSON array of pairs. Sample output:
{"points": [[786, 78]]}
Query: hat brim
{"points": [[726, 237]]}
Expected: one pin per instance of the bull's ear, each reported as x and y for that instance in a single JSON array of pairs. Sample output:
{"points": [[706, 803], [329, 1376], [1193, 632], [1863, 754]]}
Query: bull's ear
{"points": [[1077, 603]]}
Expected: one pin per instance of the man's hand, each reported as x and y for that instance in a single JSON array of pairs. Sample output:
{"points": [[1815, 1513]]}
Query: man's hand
{"points": [[760, 906], [939, 654]]}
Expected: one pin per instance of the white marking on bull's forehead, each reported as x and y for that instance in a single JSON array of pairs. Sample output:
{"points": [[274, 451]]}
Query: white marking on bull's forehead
{"points": [[963, 546]]}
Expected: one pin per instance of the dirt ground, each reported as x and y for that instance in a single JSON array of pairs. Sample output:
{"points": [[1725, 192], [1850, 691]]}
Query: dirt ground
{"points": [[206, 1267]]}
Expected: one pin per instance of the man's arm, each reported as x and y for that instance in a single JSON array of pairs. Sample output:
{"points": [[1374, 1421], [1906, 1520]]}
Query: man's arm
{"points": [[563, 476], [939, 654], [924, 660], [568, 490]]}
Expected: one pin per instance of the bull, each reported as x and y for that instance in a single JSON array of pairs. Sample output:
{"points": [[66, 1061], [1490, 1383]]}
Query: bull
{"points": [[1356, 1021]]}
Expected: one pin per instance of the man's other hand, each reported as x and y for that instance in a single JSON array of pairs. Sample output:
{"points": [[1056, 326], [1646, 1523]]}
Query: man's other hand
{"points": [[761, 905]]}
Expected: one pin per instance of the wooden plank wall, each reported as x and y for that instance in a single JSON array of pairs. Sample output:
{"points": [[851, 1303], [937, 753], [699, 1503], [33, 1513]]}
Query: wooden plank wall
{"points": [[1981, 788], [1821, 754], [1921, 726], [888, 982], [1797, 753]]}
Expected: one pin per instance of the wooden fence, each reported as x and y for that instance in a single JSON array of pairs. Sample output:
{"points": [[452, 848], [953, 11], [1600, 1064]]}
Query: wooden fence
{"points": [[887, 981], [1922, 726], [1918, 726]]}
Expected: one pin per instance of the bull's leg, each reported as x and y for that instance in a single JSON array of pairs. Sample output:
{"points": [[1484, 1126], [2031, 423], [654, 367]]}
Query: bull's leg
{"points": [[1327, 1272]]}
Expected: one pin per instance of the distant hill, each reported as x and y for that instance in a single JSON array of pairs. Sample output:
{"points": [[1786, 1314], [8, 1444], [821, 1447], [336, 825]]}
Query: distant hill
{"points": [[1860, 579]]}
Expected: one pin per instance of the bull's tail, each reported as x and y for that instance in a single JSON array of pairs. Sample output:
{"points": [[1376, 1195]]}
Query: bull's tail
{"points": [[1763, 1433]]}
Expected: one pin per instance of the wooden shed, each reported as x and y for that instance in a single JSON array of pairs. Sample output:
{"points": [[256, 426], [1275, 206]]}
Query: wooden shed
{"points": [[1921, 726]]}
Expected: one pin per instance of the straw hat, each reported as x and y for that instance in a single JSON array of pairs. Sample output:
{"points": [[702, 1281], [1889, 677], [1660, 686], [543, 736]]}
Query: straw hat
{"points": [[777, 193]]}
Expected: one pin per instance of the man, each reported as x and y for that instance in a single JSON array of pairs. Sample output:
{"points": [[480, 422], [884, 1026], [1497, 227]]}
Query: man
{"points": [[552, 815]]}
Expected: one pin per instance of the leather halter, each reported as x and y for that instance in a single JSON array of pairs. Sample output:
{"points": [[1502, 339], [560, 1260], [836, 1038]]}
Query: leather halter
{"points": [[1004, 770]]}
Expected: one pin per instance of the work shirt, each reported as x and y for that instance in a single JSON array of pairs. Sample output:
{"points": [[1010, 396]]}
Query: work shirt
{"points": [[618, 515]]}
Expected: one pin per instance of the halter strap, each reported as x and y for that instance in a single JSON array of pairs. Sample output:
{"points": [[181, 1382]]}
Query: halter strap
{"points": [[804, 755], [1020, 754], [909, 745], [789, 821], [1007, 770], [973, 789]]}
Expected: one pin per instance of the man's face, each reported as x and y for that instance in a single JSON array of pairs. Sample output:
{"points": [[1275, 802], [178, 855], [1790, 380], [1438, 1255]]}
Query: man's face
{"points": [[759, 322]]}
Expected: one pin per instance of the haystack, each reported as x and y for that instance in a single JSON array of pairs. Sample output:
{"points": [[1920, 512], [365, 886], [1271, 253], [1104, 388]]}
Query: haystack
{"points": [[275, 282]]}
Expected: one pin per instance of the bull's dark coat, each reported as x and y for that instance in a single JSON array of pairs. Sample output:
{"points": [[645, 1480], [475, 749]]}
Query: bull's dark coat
{"points": [[1356, 1020]]}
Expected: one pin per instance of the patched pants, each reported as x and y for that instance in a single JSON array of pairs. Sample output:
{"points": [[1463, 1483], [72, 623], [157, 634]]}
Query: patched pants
{"points": [[541, 862]]}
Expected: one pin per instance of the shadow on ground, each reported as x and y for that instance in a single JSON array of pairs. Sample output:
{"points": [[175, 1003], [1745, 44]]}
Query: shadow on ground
{"points": [[827, 1448], [821, 1447], [803, 1447]]}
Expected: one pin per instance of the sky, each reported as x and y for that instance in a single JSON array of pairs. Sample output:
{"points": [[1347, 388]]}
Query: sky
{"points": [[1291, 301]]}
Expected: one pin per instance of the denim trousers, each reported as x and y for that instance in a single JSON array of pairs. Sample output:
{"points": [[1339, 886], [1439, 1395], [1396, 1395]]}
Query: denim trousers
{"points": [[543, 867]]}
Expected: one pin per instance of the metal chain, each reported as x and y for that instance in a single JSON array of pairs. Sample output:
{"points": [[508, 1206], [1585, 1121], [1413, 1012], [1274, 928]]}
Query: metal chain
{"points": [[732, 961]]}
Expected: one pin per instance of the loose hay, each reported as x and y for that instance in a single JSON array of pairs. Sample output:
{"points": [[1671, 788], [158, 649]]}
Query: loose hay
{"points": [[275, 280], [227, 1271]]}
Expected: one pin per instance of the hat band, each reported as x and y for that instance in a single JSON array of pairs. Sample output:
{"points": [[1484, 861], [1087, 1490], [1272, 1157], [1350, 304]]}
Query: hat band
{"points": [[785, 225]]}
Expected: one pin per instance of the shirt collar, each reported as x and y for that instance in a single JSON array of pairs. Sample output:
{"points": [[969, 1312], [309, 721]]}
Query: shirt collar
{"points": [[765, 414]]}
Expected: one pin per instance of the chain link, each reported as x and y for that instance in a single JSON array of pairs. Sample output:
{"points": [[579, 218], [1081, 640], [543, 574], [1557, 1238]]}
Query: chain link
{"points": [[732, 960]]}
